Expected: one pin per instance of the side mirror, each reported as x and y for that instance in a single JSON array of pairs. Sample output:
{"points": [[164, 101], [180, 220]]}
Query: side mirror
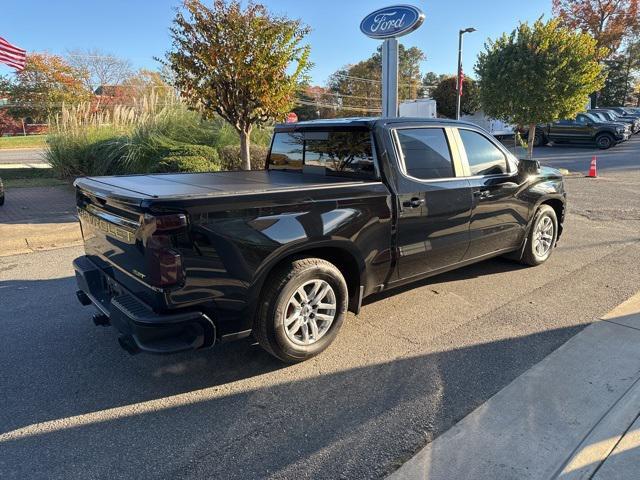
{"points": [[527, 168]]}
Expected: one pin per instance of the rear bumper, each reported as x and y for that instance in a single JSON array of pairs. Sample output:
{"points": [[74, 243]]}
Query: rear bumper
{"points": [[141, 329]]}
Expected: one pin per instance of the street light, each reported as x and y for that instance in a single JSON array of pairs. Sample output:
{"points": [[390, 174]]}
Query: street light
{"points": [[459, 78]]}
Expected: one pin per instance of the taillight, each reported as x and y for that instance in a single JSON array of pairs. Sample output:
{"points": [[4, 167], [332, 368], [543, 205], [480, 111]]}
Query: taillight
{"points": [[164, 262]]}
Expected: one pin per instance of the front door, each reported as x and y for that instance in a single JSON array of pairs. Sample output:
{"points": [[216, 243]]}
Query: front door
{"points": [[499, 217], [434, 205]]}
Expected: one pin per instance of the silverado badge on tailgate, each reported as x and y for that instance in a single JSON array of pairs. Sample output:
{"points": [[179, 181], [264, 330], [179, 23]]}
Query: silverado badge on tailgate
{"points": [[109, 228]]}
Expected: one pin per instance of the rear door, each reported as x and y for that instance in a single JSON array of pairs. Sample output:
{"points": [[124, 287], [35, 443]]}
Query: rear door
{"points": [[434, 205], [499, 217], [565, 130]]}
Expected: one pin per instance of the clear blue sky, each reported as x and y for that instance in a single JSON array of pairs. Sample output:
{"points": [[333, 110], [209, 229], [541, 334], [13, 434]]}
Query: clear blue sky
{"points": [[138, 29]]}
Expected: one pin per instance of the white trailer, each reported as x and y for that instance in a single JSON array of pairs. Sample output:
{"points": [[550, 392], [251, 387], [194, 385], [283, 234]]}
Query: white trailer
{"points": [[419, 108], [497, 128]]}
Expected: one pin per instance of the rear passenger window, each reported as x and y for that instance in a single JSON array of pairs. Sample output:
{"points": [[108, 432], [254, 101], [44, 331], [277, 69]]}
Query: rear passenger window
{"points": [[484, 157], [345, 153], [426, 153], [337, 152], [286, 152]]}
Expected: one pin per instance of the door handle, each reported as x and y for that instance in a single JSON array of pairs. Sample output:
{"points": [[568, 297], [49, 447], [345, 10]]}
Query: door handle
{"points": [[482, 193], [415, 202]]}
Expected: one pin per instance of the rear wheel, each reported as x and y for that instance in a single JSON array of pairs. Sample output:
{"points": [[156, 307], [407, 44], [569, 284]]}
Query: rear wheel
{"points": [[604, 141], [301, 309], [539, 140], [542, 237]]}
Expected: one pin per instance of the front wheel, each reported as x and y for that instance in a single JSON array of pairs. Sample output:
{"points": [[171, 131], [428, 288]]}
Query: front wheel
{"points": [[542, 237], [604, 141], [301, 309]]}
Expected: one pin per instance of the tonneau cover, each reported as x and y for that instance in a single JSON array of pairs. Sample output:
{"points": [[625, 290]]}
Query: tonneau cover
{"points": [[185, 185]]}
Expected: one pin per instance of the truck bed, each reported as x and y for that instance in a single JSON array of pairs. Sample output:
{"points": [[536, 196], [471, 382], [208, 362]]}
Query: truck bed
{"points": [[134, 188]]}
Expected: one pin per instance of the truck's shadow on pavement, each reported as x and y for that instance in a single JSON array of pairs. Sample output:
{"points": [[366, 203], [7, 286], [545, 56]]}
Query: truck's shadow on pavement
{"points": [[74, 405]]}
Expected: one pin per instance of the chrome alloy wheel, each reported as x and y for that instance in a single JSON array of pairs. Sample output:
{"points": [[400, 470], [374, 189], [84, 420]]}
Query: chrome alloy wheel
{"points": [[543, 236], [310, 312]]}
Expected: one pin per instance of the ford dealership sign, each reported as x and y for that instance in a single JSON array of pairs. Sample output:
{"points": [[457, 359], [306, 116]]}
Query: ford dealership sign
{"points": [[392, 22]]}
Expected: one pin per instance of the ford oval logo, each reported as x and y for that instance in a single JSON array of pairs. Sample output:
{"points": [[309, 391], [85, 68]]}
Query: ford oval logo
{"points": [[391, 22]]}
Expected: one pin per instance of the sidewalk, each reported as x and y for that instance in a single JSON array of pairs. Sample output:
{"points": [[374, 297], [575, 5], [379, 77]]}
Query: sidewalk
{"points": [[32, 157], [38, 218], [575, 415]]}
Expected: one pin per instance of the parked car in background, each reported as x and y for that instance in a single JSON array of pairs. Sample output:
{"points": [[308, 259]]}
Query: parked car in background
{"points": [[584, 129], [345, 209], [612, 116], [624, 111]]}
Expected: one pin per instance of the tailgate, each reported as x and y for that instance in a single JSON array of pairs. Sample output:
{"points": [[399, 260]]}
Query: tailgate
{"points": [[111, 222]]}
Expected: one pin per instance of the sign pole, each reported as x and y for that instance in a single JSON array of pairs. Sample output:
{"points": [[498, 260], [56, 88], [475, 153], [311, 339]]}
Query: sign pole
{"points": [[390, 77]]}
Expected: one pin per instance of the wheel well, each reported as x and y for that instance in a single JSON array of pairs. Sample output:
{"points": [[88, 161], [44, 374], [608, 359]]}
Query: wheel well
{"points": [[605, 134], [341, 258], [558, 207]]}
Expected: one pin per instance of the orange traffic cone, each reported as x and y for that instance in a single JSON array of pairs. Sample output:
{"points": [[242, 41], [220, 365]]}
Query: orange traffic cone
{"points": [[593, 169]]}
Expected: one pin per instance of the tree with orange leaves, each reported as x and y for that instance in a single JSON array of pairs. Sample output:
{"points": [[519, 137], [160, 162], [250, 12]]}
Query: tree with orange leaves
{"points": [[610, 22], [44, 85]]}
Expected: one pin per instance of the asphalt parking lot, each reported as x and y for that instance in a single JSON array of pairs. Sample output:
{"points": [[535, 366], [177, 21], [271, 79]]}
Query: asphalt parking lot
{"points": [[576, 158], [74, 404]]}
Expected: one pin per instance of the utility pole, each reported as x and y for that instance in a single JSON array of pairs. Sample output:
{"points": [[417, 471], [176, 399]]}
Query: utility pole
{"points": [[459, 77]]}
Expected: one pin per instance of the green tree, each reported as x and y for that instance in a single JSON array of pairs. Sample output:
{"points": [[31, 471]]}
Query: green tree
{"points": [[538, 73], [242, 64], [445, 96], [359, 86], [616, 86], [430, 81], [46, 83]]}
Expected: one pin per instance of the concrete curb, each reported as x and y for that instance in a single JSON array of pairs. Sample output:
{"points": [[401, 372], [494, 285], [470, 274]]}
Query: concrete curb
{"points": [[24, 165], [559, 419], [21, 149], [605, 436]]}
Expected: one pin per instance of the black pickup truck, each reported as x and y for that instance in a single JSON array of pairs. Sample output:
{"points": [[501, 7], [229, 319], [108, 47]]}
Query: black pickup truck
{"points": [[345, 209], [586, 129]]}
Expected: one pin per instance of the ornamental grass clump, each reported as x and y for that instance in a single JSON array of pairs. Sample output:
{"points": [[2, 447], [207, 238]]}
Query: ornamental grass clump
{"points": [[131, 139]]}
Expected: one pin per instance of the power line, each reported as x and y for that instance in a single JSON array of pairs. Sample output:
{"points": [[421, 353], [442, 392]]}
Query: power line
{"points": [[369, 80], [337, 107], [341, 95]]}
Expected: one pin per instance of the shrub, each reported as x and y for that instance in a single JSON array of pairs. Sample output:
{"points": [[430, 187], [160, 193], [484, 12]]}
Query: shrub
{"points": [[8, 124], [186, 163], [230, 157], [147, 137]]}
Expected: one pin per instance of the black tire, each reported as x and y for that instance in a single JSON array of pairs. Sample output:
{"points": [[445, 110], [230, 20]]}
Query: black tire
{"points": [[530, 255], [282, 284], [1, 192], [604, 141], [539, 140]]}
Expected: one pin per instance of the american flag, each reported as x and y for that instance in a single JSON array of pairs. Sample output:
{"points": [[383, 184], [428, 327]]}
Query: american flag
{"points": [[11, 55]]}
